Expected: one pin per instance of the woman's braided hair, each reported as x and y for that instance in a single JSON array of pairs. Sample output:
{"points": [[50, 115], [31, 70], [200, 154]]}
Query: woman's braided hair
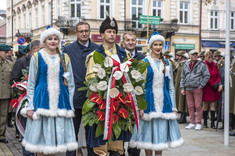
{"points": [[63, 64], [164, 62]]}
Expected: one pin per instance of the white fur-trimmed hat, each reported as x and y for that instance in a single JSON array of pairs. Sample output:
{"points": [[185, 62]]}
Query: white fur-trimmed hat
{"points": [[156, 37], [49, 32]]}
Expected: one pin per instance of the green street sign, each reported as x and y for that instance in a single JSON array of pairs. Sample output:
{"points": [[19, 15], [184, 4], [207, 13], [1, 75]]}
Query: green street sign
{"points": [[154, 20], [185, 46]]}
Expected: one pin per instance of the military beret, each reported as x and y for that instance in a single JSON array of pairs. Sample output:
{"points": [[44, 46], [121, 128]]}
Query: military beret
{"points": [[166, 53], [217, 53], [4, 47], [23, 49], [191, 52], [202, 53], [180, 53], [108, 23]]}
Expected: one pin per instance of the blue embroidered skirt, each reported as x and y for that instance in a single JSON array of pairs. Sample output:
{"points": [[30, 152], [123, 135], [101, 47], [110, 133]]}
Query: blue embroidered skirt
{"points": [[157, 134], [50, 135]]}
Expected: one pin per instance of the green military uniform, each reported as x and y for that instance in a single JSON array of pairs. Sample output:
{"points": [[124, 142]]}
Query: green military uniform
{"points": [[232, 89], [181, 103], [5, 90]]}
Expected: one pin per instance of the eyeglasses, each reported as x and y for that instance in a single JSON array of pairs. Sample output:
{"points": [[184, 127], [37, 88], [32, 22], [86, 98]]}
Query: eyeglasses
{"points": [[83, 31]]}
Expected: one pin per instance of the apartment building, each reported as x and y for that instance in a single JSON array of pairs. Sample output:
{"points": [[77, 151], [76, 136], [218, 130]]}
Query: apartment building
{"points": [[31, 17], [214, 26]]}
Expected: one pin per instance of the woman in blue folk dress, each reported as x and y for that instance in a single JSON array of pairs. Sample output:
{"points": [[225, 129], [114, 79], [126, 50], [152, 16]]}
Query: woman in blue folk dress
{"points": [[50, 90], [158, 128]]}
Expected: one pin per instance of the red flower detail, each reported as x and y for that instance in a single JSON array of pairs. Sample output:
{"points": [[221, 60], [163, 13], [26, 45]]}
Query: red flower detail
{"points": [[27, 77], [102, 105], [127, 101], [101, 115], [123, 113], [120, 98], [96, 98], [115, 105], [115, 118], [14, 103]]}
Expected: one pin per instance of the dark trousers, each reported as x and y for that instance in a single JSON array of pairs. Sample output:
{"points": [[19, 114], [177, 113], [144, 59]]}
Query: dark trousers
{"points": [[133, 151], [77, 121]]}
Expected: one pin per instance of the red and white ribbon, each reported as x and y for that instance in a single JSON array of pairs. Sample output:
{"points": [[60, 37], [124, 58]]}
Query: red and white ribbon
{"points": [[110, 101]]}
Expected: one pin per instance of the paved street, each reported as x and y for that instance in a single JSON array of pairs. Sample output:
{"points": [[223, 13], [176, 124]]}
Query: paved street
{"points": [[207, 142]]}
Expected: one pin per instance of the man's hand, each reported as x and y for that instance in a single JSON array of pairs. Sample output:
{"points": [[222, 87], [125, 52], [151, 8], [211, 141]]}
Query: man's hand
{"points": [[183, 92], [141, 114]]}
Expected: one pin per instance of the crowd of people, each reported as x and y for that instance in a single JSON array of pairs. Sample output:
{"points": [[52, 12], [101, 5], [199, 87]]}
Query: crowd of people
{"points": [[53, 122]]}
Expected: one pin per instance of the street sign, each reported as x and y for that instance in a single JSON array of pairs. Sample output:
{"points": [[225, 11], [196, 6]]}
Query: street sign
{"points": [[185, 46], [21, 40], [154, 20]]}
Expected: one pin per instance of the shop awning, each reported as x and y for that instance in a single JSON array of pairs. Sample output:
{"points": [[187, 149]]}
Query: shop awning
{"points": [[216, 44]]}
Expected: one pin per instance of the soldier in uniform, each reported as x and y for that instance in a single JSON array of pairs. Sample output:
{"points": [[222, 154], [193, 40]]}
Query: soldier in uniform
{"points": [[217, 56], [181, 103], [231, 97], [5, 90], [202, 55]]}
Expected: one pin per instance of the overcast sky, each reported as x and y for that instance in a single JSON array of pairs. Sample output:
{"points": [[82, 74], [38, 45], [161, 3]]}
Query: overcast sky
{"points": [[3, 5]]}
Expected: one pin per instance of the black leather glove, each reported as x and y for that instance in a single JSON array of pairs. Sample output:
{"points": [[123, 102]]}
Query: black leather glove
{"points": [[216, 86]]}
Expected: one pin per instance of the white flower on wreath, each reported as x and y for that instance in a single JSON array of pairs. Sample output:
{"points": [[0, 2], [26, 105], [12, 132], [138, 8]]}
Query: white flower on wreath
{"points": [[124, 67], [138, 90], [96, 67], [118, 75], [114, 92], [102, 85], [128, 87], [108, 62], [93, 88], [135, 74], [101, 73]]}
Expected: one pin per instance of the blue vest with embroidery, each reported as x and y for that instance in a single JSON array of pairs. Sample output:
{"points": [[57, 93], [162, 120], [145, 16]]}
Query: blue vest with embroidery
{"points": [[149, 97], [41, 94]]}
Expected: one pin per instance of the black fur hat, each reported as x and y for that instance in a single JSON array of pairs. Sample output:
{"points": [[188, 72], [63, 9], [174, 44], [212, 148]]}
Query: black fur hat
{"points": [[108, 24]]}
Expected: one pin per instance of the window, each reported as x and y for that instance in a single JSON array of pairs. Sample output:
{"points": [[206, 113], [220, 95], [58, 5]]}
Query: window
{"points": [[30, 20], [43, 15], [49, 14], [36, 18], [232, 21], [184, 13], [214, 20], [157, 8], [136, 10], [19, 26], [104, 6], [24, 20], [75, 8], [58, 8]]}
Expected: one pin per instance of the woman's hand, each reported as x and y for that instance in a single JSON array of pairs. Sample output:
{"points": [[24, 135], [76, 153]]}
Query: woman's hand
{"points": [[141, 114], [29, 113], [220, 88], [175, 112]]}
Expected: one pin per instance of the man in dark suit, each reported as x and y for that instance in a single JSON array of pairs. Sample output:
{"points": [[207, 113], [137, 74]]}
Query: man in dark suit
{"points": [[129, 43], [78, 52]]}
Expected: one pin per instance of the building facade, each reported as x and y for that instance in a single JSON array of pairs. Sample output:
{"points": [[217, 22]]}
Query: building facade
{"points": [[179, 19], [214, 26]]}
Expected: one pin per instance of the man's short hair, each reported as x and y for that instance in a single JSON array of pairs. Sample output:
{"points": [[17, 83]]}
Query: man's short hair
{"points": [[82, 23], [128, 33], [34, 43]]}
